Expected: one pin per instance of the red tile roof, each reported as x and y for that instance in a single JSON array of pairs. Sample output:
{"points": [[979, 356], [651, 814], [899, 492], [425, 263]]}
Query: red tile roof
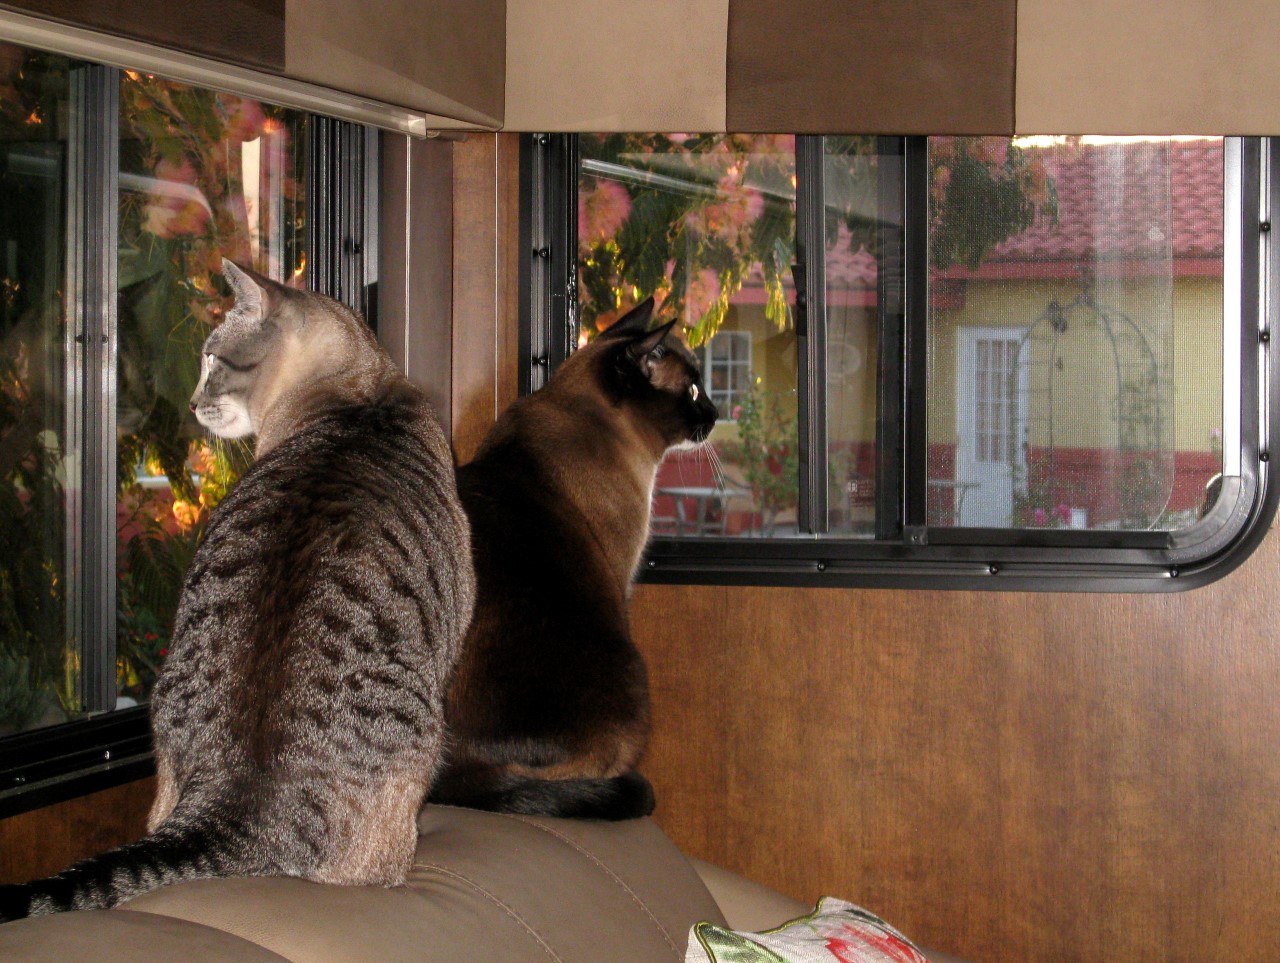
{"points": [[849, 269], [1119, 201], [1116, 202]]}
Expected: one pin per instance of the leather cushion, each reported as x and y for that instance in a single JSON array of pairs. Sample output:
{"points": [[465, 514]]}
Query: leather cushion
{"points": [[484, 887], [110, 936]]}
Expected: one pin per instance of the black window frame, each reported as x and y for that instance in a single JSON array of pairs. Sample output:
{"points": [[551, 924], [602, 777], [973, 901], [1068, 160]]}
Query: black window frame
{"points": [[110, 747], [907, 552]]}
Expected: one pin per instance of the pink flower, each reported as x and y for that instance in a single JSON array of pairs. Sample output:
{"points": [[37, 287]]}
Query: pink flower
{"points": [[702, 292], [731, 216], [243, 118], [1040, 517], [1063, 513], [678, 138], [991, 151], [754, 203], [943, 149], [776, 144], [602, 211], [275, 143], [175, 205]]}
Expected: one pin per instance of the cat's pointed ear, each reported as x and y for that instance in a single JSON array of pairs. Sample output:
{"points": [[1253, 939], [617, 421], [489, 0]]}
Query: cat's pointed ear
{"points": [[634, 322], [642, 348], [251, 297]]}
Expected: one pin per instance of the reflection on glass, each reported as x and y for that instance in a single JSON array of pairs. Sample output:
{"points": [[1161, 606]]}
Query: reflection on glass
{"points": [[202, 175], [38, 673], [851, 174], [706, 224], [1076, 331]]}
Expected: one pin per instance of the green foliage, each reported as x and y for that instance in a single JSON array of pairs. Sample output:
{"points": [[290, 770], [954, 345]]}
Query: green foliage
{"points": [[689, 218], [182, 207], [685, 218], [768, 452], [983, 191], [33, 602], [20, 695]]}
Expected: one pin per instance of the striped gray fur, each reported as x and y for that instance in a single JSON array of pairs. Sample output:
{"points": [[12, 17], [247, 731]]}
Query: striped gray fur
{"points": [[298, 720]]}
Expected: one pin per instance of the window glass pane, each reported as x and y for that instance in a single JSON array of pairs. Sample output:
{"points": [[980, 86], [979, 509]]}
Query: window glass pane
{"points": [[855, 213], [202, 175], [706, 223], [37, 656], [1075, 331]]}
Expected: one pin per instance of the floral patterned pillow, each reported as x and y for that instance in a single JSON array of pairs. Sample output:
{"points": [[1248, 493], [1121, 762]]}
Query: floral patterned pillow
{"points": [[835, 932]]}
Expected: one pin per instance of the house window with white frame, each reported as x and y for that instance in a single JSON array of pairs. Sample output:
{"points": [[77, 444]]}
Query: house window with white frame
{"points": [[726, 370]]}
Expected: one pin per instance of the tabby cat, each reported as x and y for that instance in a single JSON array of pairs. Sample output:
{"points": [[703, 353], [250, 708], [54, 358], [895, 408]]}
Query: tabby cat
{"points": [[548, 708], [299, 718]]}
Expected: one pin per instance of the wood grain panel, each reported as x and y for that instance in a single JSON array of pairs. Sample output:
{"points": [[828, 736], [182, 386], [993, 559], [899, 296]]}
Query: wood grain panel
{"points": [[46, 841], [1007, 777], [246, 32], [485, 241], [415, 291]]}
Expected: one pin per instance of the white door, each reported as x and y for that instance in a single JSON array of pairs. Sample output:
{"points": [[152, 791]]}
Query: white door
{"points": [[990, 424]]}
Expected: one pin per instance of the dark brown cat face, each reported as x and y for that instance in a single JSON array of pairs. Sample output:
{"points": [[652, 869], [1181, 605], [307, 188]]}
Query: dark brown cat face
{"points": [[655, 374]]}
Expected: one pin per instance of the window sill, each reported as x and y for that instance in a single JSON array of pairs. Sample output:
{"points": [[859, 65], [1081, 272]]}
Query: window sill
{"points": [[52, 765]]}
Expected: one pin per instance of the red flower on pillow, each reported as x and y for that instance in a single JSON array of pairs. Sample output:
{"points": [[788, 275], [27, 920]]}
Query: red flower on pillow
{"points": [[853, 948]]}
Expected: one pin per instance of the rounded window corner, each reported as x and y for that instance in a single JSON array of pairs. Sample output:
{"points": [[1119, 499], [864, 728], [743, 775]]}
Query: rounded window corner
{"points": [[1229, 533]]}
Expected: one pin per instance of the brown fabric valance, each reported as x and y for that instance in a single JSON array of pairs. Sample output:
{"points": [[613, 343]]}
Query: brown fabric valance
{"points": [[442, 58], [598, 65], [872, 66], [1147, 67], [249, 33], [806, 66]]}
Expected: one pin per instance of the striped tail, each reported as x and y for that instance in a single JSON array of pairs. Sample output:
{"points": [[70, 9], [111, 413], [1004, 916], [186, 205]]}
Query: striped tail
{"points": [[181, 848], [628, 796]]}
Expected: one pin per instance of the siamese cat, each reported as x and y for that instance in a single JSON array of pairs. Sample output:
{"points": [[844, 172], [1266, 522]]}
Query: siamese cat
{"points": [[548, 708], [299, 718]]}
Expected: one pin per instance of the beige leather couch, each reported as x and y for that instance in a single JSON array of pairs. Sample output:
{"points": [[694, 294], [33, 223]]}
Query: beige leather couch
{"points": [[484, 888]]}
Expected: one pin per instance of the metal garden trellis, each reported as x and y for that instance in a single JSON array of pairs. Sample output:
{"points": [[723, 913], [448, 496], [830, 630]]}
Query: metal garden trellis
{"points": [[1137, 467]]}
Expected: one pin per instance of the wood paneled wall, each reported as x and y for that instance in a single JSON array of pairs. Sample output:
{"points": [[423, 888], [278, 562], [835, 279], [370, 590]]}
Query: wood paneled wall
{"points": [[486, 234], [46, 841], [1013, 778]]}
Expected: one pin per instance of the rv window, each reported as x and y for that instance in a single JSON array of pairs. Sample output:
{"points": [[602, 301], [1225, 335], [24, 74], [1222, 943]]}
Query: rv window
{"points": [[952, 361], [120, 193]]}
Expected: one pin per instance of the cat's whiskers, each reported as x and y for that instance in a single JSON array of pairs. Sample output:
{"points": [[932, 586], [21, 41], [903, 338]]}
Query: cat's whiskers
{"points": [[717, 465]]}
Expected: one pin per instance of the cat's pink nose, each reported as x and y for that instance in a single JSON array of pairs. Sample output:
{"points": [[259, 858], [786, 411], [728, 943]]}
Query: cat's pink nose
{"points": [[192, 406]]}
